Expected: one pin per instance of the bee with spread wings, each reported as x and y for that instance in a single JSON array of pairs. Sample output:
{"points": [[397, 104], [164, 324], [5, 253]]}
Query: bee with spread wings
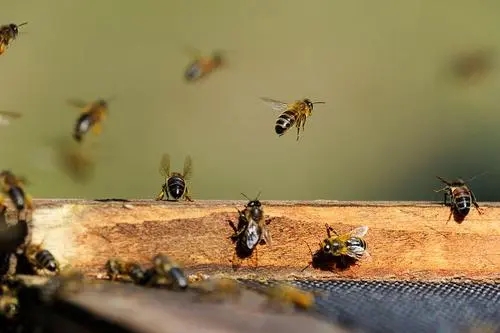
{"points": [[295, 113], [175, 183], [92, 115]]}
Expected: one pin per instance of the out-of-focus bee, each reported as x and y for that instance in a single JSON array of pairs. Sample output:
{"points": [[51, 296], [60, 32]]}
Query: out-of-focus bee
{"points": [[175, 183], [202, 65], [75, 160], [116, 268], [7, 116], [9, 306], [282, 296], [169, 272], [461, 198], [340, 251], [295, 113], [13, 186], [8, 33], [250, 232], [218, 289], [41, 259], [474, 64], [91, 118], [68, 282]]}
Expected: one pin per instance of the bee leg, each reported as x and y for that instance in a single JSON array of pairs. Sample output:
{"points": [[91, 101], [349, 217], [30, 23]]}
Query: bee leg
{"points": [[159, 196], [474, 202], [449, 216], [329, 229], [186, 195], [236, 261], [3, 47], [29, 201], [255, 257], [298, 129]]}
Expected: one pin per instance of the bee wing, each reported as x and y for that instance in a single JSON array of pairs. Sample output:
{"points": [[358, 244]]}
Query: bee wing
{"points": [[276, 105], [357, 252], [266, 236], [165, 165], [359, 232], [10, 114], [77, 103], [23, 180], [188, 167]]}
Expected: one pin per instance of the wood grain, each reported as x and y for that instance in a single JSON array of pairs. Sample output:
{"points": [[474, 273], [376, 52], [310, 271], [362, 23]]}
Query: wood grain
{"points": [[407, 240]]}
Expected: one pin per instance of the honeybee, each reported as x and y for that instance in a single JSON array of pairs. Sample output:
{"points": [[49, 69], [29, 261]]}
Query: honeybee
{"points": [[41, 259], [8, 33], [250, 232], [13, 236], [282, 295], [91, 118], [295, 113], [461, 197], [165, 268], [9, 306], [7, 116], [175, 183], [340, 250], [13, 186], [202, 65], [218, 289], [116, 267]]}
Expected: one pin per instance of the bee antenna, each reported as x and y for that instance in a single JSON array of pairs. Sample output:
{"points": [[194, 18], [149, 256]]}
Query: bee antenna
{"points": [[21, 24], [476, 176], [444, 180], [319, 102], [310, 251], [258, 195], [243, 194]]}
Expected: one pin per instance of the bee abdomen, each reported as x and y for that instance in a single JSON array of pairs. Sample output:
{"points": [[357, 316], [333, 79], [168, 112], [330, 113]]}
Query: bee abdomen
{"points": [[178, 277], [82, 126], [46, 260], [17, 196], [193, 72], [284, 122], [176, 187]]}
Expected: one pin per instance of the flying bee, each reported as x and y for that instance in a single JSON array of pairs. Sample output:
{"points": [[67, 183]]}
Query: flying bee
{"points": [[340, 250], [41, 258], [8, 33], [202, 65], [13, 186], [218, 289], [7, 116], [175, 183], [251, 231], [295, 113], [283, 295], [461, 197], [165, 268], [91, 118]]}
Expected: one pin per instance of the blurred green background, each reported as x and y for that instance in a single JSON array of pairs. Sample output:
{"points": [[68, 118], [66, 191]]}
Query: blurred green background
{"points": [[394, 116]]}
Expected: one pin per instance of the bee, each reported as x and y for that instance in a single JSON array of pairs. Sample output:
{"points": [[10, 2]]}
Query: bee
{"points": [[202, 65], [340, 250], [473, 64], [116, 267], [166, 268], [7, 116], [283, 295], [461, 197], [41, 258], [218, 289], [91, 118], [13, 186], [175, 183], [9, 306], [295, 113], [8, 33], [251, 230]]}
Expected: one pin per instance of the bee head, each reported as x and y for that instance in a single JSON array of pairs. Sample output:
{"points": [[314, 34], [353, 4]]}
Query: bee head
{"points": [[331, 246], [14, 28], [309, 103], [102, 103]]}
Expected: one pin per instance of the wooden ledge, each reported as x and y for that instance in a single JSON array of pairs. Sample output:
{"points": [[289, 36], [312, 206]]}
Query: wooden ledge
{"points": [[407, 240]]}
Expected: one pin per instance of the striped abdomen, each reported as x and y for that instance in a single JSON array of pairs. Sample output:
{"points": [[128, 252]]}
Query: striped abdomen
{"points": [[83, 125], [194, 71], [137, 273], [16, 194], [176, 187], [46, 260], [356, 246], [461, 200], [178, 277], [286, 120]]}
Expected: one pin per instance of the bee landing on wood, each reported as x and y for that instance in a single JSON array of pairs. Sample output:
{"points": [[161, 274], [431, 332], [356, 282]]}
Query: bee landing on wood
{"points": [[295, 113]]}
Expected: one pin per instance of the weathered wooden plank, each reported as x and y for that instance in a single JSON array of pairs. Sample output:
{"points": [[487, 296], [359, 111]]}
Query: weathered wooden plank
{"points": [[407, 240]]}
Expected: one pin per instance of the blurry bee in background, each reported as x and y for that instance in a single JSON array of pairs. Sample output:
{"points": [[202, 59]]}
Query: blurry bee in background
{"points": [[9, 306], [461, 197], [175, 183], [168, 270], [91, 118], [41, 259], [7, 116], [250, 232], [473, 65], [295, 113], [283, 296], [13, 186], [202, 65], [76, 161], [8, 33], [340, 251], [116, 268], [218, 289]]}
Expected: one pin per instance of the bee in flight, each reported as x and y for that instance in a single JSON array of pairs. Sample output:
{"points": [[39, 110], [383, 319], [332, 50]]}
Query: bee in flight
{"points": [[295, 113], [175, 183], [91, 118], [460, 196], [13, 186], [202, 65], [7, 116], [340, 250], [8, 33], [250, 232]]}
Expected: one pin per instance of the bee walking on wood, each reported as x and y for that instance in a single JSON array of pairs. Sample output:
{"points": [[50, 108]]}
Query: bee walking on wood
{"points": [[168, 270], [91, 118], [202, 65], [13, 187], [460, 198], [8, 33], [250, 232], [295, 113], [340, 251], [116, 268], [175, 183], [41, 258]]}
